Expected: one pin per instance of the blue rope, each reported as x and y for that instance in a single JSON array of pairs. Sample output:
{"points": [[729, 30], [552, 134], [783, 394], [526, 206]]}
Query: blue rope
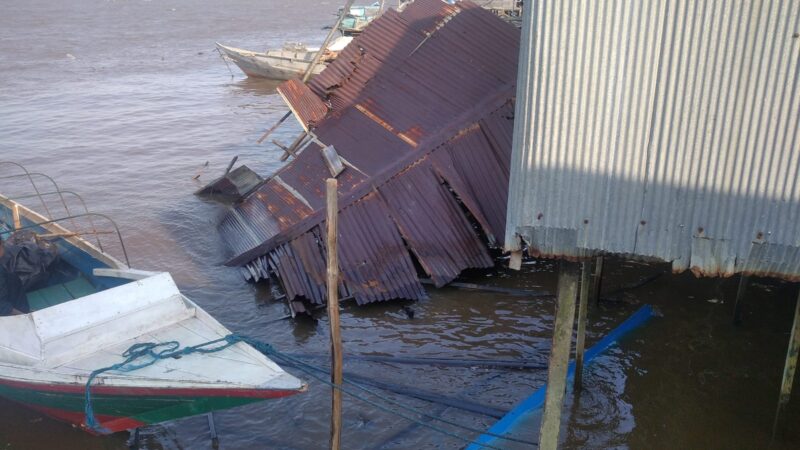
{"points": [[150, 353], [153, 352]]}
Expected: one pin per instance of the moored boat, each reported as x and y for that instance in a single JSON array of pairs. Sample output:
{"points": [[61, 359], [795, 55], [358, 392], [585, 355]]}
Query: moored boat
{"points": [[91, 309], [291, 61]]}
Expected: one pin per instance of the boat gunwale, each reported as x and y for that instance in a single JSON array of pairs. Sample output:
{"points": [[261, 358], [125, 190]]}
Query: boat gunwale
{"points": [[56, 228]]}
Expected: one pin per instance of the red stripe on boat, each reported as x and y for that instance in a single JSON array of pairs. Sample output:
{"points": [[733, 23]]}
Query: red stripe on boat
{"points": [[156, 392], [111, 423]]}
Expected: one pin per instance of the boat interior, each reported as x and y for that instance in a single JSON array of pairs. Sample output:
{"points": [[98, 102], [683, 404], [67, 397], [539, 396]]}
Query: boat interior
{"points": [[71, 275]]}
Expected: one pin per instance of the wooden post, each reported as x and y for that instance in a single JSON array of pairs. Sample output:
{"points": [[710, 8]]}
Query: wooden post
{"points": [[598, 278], [737, 306], [212, 428], [582, 312], [333, 312], [328, 38], [788, 371], [515, 261], [559, 356]]}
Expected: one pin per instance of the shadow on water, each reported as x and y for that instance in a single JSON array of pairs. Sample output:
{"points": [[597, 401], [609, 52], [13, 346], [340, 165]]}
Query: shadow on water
{"points": [[254, 86]]}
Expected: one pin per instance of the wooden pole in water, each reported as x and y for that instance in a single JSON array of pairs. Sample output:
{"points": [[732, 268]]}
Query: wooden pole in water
{"points": [[586, 268], [333, 312], [274, 127], [788, 371], [559, 355], [324, 46]]}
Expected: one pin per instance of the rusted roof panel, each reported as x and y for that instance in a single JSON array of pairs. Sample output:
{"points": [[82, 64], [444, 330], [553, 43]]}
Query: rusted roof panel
{"points": [[305, 105], [420, 113], [430, 219], [372, 256]]}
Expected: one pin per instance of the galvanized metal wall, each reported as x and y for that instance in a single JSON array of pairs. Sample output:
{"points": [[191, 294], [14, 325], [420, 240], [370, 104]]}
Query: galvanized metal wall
{"points": [[664, 129]]}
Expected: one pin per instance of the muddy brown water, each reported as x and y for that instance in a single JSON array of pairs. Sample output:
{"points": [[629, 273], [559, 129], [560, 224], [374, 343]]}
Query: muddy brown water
{"points": [[125, 101]]}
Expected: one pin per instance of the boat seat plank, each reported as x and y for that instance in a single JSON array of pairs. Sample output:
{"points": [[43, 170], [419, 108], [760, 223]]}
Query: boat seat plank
{"points": [[49, 296], [80, 287], [59, 293]]}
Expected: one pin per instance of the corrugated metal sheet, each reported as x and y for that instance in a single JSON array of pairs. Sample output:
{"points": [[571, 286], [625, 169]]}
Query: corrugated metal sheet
{"points": [[664, 129], [306, 106], [420, 112]]}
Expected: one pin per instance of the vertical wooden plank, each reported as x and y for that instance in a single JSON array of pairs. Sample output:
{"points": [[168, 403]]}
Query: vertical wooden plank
{"points": [[788, 371], [333, 312], [582, 313], [737, 306], [15, 217], [559, 355], [597, 279]]}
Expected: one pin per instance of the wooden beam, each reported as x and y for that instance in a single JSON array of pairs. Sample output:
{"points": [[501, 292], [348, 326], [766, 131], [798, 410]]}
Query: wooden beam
{"points": [[788, 372], [324, 46], [291, 151], [559, 356], [274, 127], [333, 312], [586, 268]]}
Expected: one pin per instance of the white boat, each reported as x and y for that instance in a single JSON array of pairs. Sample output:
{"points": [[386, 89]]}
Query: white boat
{"points": [[289, 62], [85, 320]]}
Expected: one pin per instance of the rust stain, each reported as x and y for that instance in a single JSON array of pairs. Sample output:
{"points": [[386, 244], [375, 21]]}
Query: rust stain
{"points": [[386, 125]]}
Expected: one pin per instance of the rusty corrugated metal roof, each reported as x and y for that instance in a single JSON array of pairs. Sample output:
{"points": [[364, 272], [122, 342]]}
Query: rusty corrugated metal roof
{"points": [[305, 105], [421, 111]]}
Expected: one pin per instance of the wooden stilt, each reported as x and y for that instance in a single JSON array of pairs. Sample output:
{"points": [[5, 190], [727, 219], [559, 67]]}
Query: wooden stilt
{"points": [[134, 445], [582, 312], [597, 279], [788, 372], [559, 355], [737, 306], [212, 429], [515, 262], [333, 312]]}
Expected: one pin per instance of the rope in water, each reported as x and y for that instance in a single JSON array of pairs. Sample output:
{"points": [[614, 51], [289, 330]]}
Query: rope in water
{"points": [[299, 364], [151, 353]]}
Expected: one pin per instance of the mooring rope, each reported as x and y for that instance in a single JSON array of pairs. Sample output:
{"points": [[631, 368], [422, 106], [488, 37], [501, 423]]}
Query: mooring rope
{"points": [[151, 353]]}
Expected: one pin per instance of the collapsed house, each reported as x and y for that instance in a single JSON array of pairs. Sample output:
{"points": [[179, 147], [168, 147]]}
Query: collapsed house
{"points": [[419, 109]]}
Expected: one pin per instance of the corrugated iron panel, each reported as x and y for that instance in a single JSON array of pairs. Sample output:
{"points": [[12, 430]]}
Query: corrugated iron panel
{"points": [[375, 262], [664, 129], [478, 176], [430, 220], [394, 113], [305, 105]]}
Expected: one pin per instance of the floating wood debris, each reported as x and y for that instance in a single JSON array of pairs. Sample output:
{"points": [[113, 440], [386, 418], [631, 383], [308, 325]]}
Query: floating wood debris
{"points": [[420, 110]]}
